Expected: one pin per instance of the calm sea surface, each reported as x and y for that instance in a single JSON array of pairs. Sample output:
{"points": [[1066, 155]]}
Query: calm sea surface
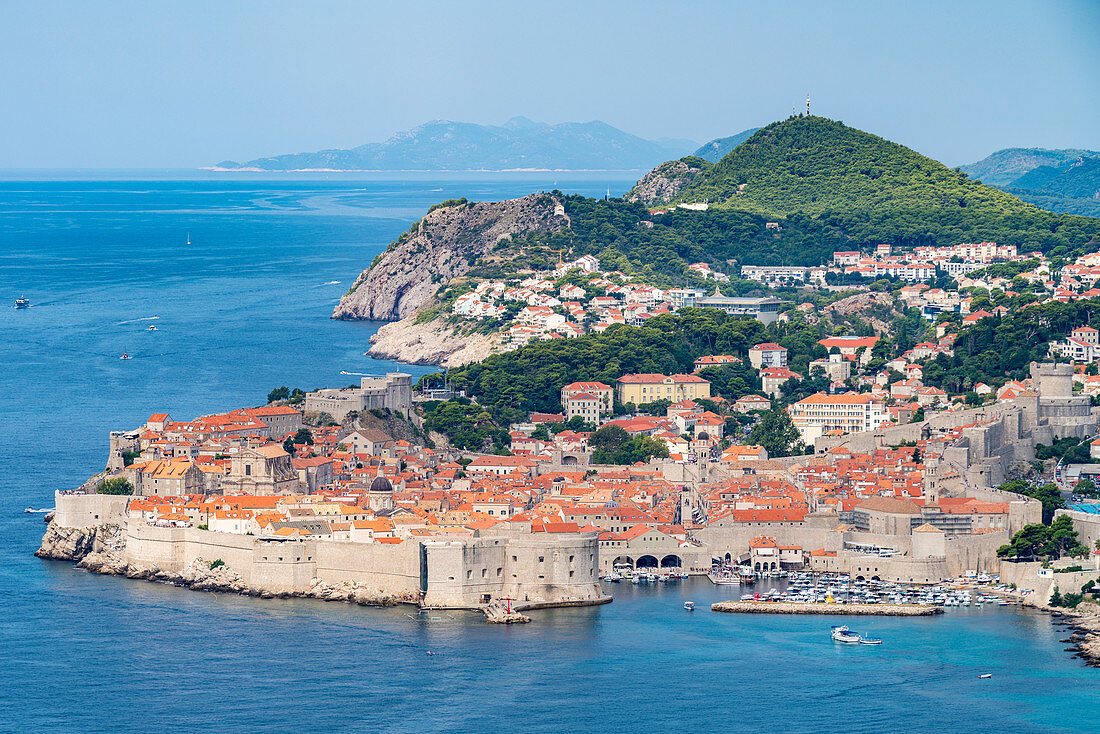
{"points": [[244, 308]]}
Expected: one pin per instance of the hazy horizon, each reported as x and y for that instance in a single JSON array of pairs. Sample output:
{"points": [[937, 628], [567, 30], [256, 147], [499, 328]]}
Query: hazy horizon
{"points": [[135, 85]]}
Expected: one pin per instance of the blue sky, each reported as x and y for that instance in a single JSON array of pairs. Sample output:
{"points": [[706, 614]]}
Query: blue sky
{"points": [[159, 84]]}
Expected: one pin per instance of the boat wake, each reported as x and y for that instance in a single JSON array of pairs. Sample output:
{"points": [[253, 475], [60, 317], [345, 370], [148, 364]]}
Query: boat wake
{"points": [[143, 318], [355, 374]]}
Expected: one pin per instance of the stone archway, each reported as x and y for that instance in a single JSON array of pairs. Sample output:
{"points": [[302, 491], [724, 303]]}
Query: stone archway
{"points": [[671, 561], [647, 561], [623, 560]]}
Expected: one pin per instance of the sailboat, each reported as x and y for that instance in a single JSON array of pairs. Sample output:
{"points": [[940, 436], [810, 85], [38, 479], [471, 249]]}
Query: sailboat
{"points": [[188, 238]]}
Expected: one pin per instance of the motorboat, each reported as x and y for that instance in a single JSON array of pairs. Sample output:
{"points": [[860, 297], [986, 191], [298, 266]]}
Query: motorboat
{"points": [[22, 302], [690, 606], [986, 675], [870, 641], [845, 635], [152, 327]]}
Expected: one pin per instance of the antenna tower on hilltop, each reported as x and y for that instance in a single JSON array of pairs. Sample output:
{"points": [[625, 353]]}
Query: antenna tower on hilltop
{"points": [[807, 105]]}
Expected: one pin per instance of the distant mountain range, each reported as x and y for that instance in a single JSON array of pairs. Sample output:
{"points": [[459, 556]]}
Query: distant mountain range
{"points": [[1066, 180], [442, 145]]}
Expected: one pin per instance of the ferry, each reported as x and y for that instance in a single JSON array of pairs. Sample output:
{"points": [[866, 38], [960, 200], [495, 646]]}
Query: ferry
{"points": [[845, 635], [22, 302], [690, 606]]}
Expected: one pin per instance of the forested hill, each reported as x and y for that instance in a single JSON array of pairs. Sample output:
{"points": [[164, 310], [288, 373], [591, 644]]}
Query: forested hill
{"points": [[815, 165], [867, 188]]}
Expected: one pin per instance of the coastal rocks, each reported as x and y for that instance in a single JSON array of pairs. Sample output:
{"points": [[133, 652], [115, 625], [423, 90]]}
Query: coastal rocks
{"points": [[666, 181], [778, 607], [431, 343], [443, 245], [66, 544], [497, 613]]}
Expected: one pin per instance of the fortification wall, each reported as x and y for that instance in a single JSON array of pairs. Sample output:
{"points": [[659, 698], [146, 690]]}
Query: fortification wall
{"points": [[557, 568], [89, 510], [389, 568], [1086, 524]]}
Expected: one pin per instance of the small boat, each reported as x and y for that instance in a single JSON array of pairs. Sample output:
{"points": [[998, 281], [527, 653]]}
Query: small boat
{"points": [[22, 302], [870, 641], [152, 327], [986, 675], [690, 606], [125, 356], [845, 635]]}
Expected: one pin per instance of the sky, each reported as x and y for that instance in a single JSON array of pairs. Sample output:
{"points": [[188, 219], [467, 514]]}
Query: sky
{"points": [[180, 85]]}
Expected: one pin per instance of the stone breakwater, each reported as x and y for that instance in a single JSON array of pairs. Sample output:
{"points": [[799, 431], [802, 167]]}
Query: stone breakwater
{"points": [[780, 607], [100, 550]]}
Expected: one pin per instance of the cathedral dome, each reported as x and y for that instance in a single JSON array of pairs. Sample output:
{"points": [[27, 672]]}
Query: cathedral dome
{"points": [[381, 484]]}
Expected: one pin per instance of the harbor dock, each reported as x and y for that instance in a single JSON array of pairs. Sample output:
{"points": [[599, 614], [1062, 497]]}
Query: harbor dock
{"points": [[779, 607]]}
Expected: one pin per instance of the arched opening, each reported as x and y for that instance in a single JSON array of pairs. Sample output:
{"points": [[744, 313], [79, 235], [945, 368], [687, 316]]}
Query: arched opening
{"points": [[729, 558], [623, 561], [671, 562], [569, 460], [860, 578], [775, 566], [647, 562], [757, 566], [875, 578]]}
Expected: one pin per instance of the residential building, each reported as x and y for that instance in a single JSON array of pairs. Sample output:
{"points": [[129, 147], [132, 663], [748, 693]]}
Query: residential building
{"points": [[823, 414], [640, 389], [768, 354]]}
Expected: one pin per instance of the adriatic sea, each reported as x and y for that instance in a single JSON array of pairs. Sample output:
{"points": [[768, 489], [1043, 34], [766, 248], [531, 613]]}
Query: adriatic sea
{"points": [[244, 308]]}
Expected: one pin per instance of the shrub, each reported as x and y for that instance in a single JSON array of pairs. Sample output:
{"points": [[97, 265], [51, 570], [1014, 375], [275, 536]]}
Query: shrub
{"points": [[216, 564], [115, 485]]}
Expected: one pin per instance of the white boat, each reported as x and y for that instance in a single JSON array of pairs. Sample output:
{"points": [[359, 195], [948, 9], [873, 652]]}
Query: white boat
{"points": [[125, 356], [870, 641], [845, 635], [152, 327], [986, 675], [690, 606]]}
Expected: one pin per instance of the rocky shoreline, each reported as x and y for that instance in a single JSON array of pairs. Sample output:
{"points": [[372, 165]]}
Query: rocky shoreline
{"points": [[431, 343], [1085, 623]]}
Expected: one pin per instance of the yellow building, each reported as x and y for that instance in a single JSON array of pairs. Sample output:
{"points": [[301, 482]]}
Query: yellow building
{"points": [[640, 389]]}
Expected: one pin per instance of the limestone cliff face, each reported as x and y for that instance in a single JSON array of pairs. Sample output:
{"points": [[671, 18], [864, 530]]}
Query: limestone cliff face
{"points": [[443, 245], [666, 181], [431, 343]]}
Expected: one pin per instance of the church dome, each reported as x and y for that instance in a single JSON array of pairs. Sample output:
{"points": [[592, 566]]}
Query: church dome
{"points": [[381, 484]]}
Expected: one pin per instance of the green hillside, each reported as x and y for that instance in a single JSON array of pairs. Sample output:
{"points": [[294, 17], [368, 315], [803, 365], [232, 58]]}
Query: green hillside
{"points": [[719, 148], [1005, 167], [1081, 179], [868, 189]]}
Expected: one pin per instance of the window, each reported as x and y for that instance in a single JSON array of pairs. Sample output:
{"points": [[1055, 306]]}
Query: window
{"points": [[542, 559], [469, 574], [484, 572]]}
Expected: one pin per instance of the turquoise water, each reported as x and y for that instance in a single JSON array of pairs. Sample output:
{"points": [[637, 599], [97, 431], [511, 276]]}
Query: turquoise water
{"points": [[245, 308]]}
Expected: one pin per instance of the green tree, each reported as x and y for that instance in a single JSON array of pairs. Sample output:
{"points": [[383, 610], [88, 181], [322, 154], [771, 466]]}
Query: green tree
{"points": [[777, 434], [303, 435], [115, 485], [279, 393]]}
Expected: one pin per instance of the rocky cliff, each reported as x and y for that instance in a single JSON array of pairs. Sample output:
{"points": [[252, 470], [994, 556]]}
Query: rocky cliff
{"points": [[432, 343], [441, 246], [665, 182]]}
